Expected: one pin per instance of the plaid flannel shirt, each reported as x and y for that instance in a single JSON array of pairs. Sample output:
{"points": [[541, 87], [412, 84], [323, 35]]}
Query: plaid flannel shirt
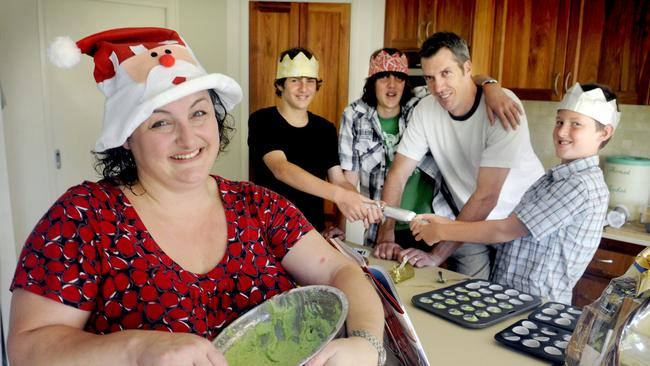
{"points": [[564, 212], [361, 149]]}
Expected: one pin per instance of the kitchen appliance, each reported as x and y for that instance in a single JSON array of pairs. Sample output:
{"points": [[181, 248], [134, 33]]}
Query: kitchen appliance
{"points": [[628, 180]]}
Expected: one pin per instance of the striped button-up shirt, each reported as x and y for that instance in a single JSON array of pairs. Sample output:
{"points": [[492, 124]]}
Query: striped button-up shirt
{"points": [[362, 149], [564, 212]]}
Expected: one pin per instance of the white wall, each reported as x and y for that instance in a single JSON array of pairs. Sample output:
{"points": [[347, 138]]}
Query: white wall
{"points": [[217, 30], [7, 250]]}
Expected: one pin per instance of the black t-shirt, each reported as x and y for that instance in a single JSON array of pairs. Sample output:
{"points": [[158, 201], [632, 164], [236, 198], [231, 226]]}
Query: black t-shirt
{"points": [[313, 147]]}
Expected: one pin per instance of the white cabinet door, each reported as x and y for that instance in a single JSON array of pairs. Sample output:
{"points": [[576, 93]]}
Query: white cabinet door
{"points": [[74, 105]]}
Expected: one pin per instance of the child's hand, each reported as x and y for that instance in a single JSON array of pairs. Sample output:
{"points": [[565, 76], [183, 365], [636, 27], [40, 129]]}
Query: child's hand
{"points": [[426, 227]]}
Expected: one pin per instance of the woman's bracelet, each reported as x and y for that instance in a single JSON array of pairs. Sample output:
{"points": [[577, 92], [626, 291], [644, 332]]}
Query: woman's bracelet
{"points": [[379, 346]]}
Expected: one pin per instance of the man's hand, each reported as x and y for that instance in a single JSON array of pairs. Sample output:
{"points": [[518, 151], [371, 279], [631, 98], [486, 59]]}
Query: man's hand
{"points": [[387, 250], [500, 105], [428, 228]]}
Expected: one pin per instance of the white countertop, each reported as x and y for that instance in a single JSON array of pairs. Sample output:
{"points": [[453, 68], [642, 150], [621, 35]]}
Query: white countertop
{"points": [[446, 343], [631, 232]]}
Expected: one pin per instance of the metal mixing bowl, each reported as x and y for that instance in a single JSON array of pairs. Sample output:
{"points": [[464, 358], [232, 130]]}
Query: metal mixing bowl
{"points": [[286, 315]]}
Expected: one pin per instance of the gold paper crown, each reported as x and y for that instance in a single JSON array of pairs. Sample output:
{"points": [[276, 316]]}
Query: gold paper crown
{"points": [[300, 66]]}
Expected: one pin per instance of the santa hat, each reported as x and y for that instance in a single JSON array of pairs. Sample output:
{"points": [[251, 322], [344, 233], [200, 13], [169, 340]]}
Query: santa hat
{"points": [[139, 70], [384, 62]]}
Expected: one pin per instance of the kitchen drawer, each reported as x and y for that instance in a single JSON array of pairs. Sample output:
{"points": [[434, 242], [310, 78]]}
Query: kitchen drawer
{"points": [[609, 264], [588, 289]]}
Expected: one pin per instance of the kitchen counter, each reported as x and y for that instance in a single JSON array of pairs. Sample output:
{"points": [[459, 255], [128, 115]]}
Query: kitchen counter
{"points": [[631, 232], [446, 343]]}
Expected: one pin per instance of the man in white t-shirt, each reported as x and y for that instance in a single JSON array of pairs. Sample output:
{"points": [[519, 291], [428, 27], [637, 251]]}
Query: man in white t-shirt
{"points": [[486, 168]]}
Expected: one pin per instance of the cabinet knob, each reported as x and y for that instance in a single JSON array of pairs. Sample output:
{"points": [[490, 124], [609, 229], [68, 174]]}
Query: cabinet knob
{"points": [[606, 261], [426, 30], [567, 78], [555, 79]]}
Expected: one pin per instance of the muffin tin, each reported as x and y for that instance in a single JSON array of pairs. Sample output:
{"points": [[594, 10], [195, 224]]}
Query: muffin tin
{"points": [[475, 303], [538, 339], [558, 315]]}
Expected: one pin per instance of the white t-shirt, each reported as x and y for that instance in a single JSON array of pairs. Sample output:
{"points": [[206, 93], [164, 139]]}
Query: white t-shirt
{"points": [[461, 147]]}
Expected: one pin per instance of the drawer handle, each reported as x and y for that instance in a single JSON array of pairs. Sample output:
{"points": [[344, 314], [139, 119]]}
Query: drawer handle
{"points": [[606, 261]]}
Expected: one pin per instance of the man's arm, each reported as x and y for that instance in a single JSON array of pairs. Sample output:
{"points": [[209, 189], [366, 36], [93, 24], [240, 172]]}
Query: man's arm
{"points": [[478, 207], [391, 194]]}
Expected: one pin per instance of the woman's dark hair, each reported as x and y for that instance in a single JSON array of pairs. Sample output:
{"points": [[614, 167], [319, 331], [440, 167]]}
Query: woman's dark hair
{"points": [[369, 95], [609, 95], [292, 52], [117, 165]]}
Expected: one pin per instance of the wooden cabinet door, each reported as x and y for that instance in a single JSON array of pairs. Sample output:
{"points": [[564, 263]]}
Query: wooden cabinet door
{"points": [[450, 16], [611, 47], [530, 41], [403, 28], [410, 22]]}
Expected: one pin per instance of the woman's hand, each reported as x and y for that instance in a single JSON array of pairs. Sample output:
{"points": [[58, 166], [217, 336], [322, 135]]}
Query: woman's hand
{"points": [[177, 349], [426, 227], [346, 351]]}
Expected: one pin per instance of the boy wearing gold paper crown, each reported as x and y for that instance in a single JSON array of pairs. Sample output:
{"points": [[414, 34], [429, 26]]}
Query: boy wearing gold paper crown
{"points": [[552, 234], [294, 152], [371, 128]]}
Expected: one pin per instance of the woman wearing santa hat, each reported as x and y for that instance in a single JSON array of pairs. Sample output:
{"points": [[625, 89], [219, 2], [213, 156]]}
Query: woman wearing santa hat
{"points": [[148, 265]]}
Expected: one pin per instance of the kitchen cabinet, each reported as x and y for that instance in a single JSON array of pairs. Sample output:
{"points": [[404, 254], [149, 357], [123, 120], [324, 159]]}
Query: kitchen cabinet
{"points": [[539, 49], [542, 48], [612, 259], [410, 22]]}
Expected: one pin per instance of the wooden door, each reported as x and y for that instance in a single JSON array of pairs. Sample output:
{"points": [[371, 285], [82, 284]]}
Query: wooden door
{"points": [[530, 42], [323, 28], [273, 28]]}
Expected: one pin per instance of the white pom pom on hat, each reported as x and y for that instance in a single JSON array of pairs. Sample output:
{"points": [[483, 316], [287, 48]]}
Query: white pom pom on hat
{"points": [[63, 52]]}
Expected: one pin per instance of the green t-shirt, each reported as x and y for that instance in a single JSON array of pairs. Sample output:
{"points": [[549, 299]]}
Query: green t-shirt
{"points": [[418, 191]]}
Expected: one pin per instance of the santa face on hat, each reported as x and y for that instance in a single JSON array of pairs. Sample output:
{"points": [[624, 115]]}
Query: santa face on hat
{"points": [[165, 56], [140, 70]]}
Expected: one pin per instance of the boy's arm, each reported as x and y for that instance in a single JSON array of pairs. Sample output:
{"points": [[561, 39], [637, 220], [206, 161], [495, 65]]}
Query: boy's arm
{"points": [[491, 231], [478, 206], [499, 104]]}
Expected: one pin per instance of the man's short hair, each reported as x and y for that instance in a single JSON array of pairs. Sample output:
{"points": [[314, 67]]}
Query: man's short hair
{"points": [[451, 41]]}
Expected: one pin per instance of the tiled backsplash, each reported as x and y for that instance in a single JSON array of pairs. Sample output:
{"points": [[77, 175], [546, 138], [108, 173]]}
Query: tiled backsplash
{"points": [[632, 137]]}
